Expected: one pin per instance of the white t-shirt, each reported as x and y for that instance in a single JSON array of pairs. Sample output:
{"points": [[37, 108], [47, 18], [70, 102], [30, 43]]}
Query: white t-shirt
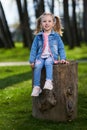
{"points": [[46, 50]]}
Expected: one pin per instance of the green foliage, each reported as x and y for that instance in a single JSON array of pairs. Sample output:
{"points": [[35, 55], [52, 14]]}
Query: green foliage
{"points": [[16, 102]]}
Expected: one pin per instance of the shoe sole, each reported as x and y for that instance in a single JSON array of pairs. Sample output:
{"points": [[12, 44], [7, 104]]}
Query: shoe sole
{"points": [[48, 88], [36, 94]]}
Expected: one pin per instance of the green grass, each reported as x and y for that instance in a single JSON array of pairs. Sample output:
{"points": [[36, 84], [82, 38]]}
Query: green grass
{"points": [[22, 54], [15, 54], [15, 90], [78, 53], [16, 102]]}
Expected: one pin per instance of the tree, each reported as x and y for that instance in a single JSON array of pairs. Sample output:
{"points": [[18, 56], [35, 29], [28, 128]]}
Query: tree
{"points": [[51, 5], [85, 19], [67, 28], [76, 41], [25, 23], [60, 103], [5, 35], [39, 7]]}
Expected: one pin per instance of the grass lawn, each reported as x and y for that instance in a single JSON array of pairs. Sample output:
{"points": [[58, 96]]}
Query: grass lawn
{"points": [[15, 54], [15, 90], [22, 54], [16, 102], [78, 53]]}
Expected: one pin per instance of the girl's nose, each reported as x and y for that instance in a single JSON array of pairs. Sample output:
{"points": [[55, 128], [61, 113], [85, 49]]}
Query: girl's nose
{"points": [[46, 22]]}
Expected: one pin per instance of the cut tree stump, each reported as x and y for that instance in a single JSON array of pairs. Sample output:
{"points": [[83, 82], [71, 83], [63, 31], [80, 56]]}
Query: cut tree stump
{"points": [[59, 104]]}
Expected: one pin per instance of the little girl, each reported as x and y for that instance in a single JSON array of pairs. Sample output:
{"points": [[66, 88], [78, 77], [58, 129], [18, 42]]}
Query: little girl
{"points": [[46, 48]]}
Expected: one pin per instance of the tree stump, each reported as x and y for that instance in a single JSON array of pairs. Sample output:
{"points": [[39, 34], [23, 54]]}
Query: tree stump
{"points": [[59, 104]]}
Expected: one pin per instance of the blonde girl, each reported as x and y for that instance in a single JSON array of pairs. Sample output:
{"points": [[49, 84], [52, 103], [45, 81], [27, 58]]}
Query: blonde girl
{"points": [[57, 24], [47, 49]]}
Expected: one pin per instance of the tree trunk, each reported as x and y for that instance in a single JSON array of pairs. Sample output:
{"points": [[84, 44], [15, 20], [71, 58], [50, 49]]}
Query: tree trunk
{"points": [[5, 32], [25, 23], [1, 43], [39, 7], [51, 6], [59, 104], [67, 28], [76, 41], [85, 19]]}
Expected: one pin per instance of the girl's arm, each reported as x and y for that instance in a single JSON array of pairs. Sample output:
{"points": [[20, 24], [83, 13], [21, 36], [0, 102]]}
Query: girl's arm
{"points": [[32, 65], [64, 61], [61, 51], [33, 51]]}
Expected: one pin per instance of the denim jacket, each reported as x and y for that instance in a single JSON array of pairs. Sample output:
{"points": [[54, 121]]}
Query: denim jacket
{"points": [[55, 43]]}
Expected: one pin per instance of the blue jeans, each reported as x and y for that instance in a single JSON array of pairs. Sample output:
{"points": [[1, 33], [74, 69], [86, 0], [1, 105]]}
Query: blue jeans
{"points": [[39, 64]]}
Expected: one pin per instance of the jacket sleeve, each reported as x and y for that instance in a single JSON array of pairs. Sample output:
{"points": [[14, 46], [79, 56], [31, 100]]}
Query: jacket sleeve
{"points": [[33, 51], [61, 49]]}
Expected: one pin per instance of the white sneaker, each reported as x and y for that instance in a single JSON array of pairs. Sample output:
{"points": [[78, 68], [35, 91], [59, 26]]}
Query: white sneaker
{"points": [[48, 85], [36, 91]]}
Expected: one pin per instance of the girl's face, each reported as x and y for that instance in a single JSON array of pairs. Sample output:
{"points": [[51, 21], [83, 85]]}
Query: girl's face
{"points": [[47, 23]]}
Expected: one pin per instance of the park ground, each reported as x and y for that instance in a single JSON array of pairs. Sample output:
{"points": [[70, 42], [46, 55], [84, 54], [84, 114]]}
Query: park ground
{"points": [[16, 87]]}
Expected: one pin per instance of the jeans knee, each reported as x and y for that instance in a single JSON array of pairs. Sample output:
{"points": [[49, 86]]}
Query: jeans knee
{"points": [[38, 67], [38, 64], [49, 61]]}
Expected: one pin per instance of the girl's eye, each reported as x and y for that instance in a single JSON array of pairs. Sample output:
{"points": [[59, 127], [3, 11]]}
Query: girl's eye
{"points": [[44, 21]]}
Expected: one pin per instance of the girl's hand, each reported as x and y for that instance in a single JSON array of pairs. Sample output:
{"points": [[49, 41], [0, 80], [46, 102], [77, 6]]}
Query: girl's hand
{"points": [[64, 62], [32, 65]]}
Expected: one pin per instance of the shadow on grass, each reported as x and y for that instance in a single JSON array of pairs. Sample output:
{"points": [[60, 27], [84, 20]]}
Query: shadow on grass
{"points": [[83, 58], [80, 123], [10, 80], [20, 116]]}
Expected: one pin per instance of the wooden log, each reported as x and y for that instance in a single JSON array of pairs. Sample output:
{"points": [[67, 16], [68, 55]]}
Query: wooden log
{"points": [[59, 104]]}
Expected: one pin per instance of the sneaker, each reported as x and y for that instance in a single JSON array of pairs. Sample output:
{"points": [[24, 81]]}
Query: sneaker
{"points": [[48, 85], [36, 91]]}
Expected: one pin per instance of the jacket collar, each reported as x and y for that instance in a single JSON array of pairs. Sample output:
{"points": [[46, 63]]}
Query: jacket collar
{"points": [[41, 33]]}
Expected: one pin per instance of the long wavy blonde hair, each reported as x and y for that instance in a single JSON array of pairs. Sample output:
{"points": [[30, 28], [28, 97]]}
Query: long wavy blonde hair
{"points": [[57, 24]]}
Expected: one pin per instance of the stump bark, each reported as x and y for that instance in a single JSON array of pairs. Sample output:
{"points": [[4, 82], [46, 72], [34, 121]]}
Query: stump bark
{"points": [[59, 104]]}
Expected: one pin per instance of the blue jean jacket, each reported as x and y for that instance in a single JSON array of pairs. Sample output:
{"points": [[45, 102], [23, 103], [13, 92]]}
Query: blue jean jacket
{"points": [[55, 43]]}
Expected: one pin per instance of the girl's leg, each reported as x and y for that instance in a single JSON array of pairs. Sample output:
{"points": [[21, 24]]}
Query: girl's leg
{"points": [[37, 74], [49, 68], [37, 71], [49, 73]]}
